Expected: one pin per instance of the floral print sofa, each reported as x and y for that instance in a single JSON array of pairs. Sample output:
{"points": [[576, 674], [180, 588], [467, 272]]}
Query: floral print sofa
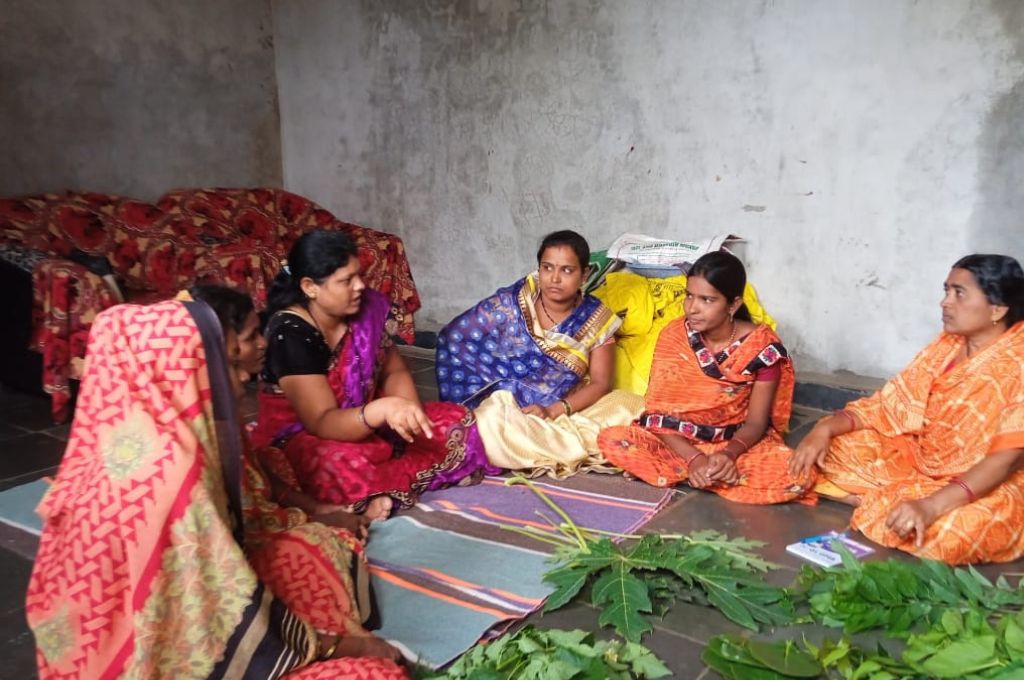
{"points": [[233, 236]]}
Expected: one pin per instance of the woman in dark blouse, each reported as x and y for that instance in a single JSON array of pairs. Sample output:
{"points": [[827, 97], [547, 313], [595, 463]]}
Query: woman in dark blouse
{"points": [[337, 397]]}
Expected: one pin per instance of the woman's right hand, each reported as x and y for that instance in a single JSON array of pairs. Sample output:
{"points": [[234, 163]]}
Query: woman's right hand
{"points": [[810, 452], [342, 517], [402, 415]]}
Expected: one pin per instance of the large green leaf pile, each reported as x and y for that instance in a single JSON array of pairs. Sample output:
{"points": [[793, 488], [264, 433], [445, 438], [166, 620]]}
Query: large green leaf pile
{"points": [[632, 582], [536, 654], [895, 595], [945, 622]]}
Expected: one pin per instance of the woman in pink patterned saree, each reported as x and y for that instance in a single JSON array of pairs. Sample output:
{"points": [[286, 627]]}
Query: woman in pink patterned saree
{"points": [[141, 570]]}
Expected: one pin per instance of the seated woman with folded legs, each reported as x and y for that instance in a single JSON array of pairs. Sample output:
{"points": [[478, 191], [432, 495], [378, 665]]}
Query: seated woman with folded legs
{"points": [[309, 554], [536, 359], [720, 396], [337, 397], [932, 461], [141, 570]]}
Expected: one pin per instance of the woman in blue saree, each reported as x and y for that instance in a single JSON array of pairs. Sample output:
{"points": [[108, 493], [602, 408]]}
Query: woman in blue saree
{"points": [[536, 361]]}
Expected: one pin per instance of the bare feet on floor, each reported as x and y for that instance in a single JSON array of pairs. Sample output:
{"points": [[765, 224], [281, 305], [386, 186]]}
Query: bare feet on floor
{"points": [[378, 508]]}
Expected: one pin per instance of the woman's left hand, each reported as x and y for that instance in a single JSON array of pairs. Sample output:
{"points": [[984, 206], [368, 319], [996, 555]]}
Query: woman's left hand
{"points": [[721, 468], [911, 516], [537, 410]]}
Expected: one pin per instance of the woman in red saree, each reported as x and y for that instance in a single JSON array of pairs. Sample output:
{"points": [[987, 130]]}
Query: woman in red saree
{"points": [[141, 570], [932, 461], [337, 397], [309, 554], [719, 399]]}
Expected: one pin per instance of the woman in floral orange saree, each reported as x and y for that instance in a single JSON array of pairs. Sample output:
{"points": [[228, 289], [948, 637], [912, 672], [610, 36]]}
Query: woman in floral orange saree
{"points": [[720, 396], [932, 460], [141, 570]]}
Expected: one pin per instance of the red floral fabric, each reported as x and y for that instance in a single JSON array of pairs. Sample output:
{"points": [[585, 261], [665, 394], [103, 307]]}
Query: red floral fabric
{"points": [[237, 237], [270, 220]]}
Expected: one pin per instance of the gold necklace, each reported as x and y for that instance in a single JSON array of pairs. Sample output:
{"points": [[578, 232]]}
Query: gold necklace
{"points": [[732, 337], [548, 314]]}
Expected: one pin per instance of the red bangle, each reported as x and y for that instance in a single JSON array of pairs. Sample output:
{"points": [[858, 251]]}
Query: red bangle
{"points": [[963, 485], [849, 416], [693, 458]]}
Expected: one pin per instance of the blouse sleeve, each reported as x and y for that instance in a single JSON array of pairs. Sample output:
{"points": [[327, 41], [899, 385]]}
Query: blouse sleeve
{"points": [[295, 348]]}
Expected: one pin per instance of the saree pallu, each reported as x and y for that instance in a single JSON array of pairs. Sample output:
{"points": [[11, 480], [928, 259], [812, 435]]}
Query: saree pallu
{"points": [[705, 398], [500, 345], [140, 572], [928, 424], [350, 473]]}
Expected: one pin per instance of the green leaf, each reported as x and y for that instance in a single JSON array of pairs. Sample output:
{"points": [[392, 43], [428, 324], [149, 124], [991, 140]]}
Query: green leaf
{"points": [[953, 622], [1013, 636], [642, 661], [735, 671], [969, 586], [785, 658], [568, 582], [961, 657], [626, 597]]}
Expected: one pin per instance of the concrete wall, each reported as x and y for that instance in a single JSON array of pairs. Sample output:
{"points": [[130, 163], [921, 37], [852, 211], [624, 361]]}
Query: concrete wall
{"points": [[860, 145], [137, 96]]}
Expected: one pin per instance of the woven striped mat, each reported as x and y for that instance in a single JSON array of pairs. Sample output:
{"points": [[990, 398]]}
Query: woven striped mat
{"points": [[447, 573]]}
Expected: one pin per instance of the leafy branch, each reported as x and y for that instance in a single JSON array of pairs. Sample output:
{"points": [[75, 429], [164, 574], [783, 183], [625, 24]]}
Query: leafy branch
{"points": [[632, 582], [894, 595], [949, 623], [555, 655]]}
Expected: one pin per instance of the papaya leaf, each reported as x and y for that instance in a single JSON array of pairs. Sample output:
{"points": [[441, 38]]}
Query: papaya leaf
{"points": [[568, 582], [626, 597]]}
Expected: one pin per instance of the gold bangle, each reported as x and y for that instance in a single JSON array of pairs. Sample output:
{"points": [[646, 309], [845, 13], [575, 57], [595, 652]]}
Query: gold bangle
{"points": [[362, 417], [325, 655], [567, 406]]}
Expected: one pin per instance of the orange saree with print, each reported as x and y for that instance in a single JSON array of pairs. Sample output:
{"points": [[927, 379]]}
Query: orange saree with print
{"points": [[704, 398], [932, 422], [141, 570]]}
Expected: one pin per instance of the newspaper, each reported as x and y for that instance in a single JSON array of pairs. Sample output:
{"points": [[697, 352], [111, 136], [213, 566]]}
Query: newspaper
{"points": [[640, 249]]}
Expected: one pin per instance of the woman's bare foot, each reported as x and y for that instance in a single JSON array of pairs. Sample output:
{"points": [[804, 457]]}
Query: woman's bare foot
{"points": [[852, 500], [366, 645], [378, 508]]}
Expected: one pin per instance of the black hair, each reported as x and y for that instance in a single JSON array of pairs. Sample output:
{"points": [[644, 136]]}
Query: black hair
{"points": [[725, 272], [315, 255], [231, 306], [1001, 279], [567, 237]]}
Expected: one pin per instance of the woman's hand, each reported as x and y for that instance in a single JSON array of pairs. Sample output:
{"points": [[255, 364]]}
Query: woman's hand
{"points": [[537, 410], [404, 416], [696, 469], [342, 517], [809, 453], [707, 470], [912, 516], [721, 469]]}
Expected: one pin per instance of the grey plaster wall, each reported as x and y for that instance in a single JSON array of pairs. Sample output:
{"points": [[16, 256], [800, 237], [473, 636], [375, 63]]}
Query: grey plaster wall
{"points": [[861, 146], [137, 96]]}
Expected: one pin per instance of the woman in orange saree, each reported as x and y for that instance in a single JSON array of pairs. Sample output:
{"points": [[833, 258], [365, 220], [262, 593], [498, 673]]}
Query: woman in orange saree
{"points": [[932, 460], [141, 570], [720, 396]]}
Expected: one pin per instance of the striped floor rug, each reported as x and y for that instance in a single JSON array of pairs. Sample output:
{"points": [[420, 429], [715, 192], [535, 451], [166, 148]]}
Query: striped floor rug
{"points": [[446, 573]]}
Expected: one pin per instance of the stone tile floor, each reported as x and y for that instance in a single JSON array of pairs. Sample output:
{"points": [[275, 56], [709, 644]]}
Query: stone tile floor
{"points": [[32, 447]]}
